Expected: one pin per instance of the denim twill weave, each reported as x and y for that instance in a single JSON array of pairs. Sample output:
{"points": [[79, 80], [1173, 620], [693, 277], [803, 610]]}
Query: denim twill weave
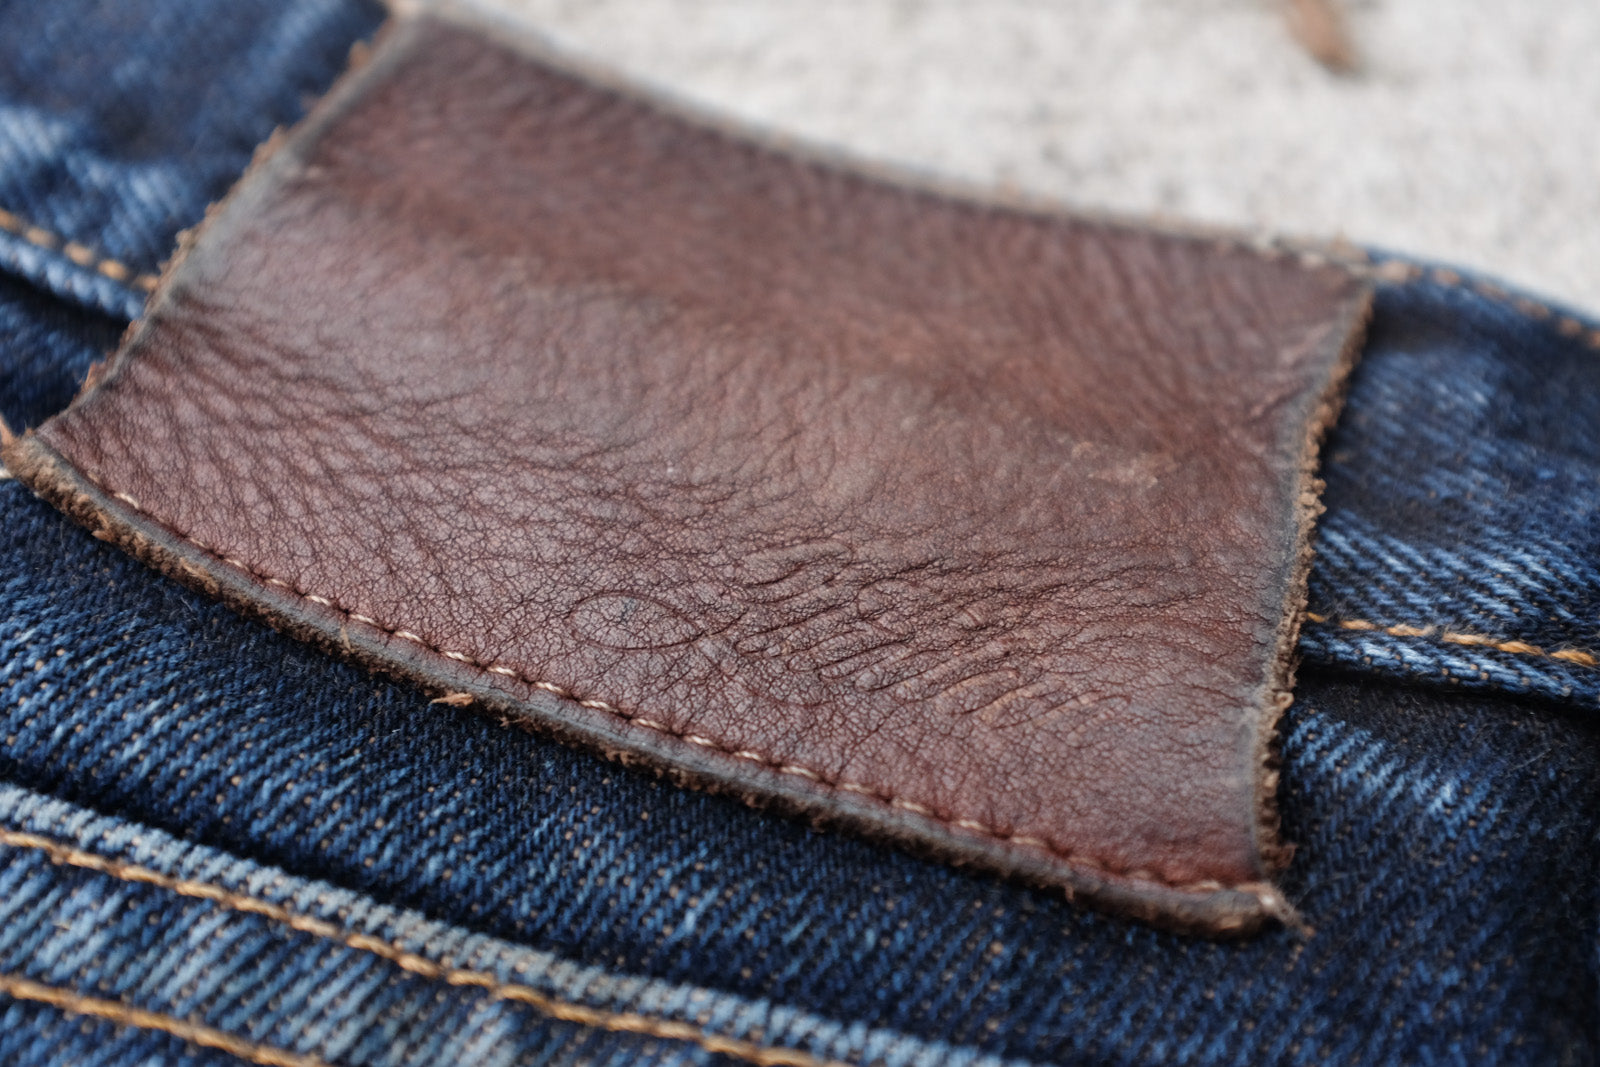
{"points": [[1445, 795]]}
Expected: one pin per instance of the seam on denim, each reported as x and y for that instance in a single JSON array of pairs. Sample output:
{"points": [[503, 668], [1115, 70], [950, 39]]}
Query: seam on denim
{"points": [[66, 855], [20, 988], [1399, 272], [1565, 325], [1266, 894], [80, 254], [1455, 637]]}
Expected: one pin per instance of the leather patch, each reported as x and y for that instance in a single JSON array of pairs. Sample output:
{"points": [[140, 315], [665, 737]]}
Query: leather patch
{"points": [[975, 528]]}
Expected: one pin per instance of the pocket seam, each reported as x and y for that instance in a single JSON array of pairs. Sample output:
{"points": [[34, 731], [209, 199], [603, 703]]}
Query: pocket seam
{"points": [[556, 1008], [79, 254], [1575, 656]]}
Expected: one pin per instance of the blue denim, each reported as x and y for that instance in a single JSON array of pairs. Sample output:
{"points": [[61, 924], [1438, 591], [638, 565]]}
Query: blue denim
{"points": [[120, 122], [271, 854], [1462, 495]]}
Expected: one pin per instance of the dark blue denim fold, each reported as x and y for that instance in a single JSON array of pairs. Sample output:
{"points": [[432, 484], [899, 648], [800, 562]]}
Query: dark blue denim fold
{"points": [[217, 844], [120, 121]]}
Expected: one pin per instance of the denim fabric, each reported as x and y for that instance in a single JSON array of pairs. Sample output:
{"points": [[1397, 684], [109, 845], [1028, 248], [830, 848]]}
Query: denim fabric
{"points": [[1462, 498], [49, 345], [120, 122], [304, 966], [1445, 794]]}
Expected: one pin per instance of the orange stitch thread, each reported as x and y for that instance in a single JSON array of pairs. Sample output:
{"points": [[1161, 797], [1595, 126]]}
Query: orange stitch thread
{"points": [[1520, 648], [1395, 271], [1399, 272], [1261, 890], [1531, 308], [565, 1011], [1524, 306], [20, 988], [77, 253]]}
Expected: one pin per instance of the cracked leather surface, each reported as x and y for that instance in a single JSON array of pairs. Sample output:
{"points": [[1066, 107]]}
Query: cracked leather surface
{"points": [[975, 528]]}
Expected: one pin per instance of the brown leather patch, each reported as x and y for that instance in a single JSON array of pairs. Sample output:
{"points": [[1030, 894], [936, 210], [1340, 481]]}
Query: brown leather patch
{"points": [[976, 528]]}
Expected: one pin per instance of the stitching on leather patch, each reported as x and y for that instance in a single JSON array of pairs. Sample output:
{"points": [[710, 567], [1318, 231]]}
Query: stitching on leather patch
{"points": [[1270, 898], [62, 854]]}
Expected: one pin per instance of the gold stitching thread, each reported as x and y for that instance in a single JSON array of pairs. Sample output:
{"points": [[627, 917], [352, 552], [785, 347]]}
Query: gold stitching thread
{"points": [[1402, 273], [14, 985], [77, 253], [66, 855], [1565, 325], [1520, 648], [1262, 891]]}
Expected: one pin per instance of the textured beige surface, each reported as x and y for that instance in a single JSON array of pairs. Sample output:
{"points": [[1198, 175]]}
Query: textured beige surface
{"points": [[1471, 134]]}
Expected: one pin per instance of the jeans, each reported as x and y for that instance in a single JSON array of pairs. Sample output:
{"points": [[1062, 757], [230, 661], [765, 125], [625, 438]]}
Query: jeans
{"points": [[219, 845]]}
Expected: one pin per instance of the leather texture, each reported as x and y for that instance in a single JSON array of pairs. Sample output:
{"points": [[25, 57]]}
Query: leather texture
{"points": [[977, 528]]}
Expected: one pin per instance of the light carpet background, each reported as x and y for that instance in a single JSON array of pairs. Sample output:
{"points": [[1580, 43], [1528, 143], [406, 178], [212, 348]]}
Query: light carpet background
{"points": [[1470, 133]]}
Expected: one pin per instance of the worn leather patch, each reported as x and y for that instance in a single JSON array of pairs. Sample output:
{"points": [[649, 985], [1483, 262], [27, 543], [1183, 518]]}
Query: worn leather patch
{"points": [[975, 528]]}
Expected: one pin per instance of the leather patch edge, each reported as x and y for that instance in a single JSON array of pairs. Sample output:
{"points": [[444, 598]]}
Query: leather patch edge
{"points": [[1206, 909], [1274, 852]]}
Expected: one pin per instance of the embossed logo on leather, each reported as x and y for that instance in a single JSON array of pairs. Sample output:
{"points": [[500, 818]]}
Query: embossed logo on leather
{"points": [[979, 530]]}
